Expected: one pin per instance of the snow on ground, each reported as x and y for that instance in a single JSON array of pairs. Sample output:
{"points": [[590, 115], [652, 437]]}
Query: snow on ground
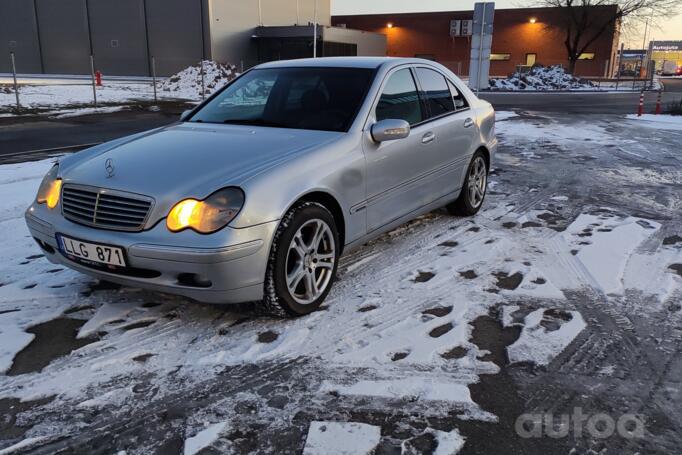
{"points": [[396, 335], [604, 243], [186, 85], [341, 438], [661, 121], [55, 96], [545, 335], [552, 131], [542, 78], [204, 438]]}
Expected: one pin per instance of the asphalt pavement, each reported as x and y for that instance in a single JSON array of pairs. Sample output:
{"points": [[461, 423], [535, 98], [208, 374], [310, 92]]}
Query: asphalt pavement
{"points": [[40, 133], [672, 84], [577, 102]]}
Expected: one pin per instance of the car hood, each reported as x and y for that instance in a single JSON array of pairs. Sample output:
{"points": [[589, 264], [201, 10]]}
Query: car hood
{"points": [[189, 159]]}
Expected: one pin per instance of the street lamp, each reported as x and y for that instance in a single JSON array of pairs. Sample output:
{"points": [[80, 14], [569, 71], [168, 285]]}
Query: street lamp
{"points": [[389, 25], [532, 20]]}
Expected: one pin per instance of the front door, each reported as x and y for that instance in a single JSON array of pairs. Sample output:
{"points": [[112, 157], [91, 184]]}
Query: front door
{"points": [[395, 169]]}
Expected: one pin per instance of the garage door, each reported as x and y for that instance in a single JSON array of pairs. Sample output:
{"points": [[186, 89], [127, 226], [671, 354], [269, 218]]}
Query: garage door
{"points": [[18, 34], [64, 36], [119, 38], [175, 34]]}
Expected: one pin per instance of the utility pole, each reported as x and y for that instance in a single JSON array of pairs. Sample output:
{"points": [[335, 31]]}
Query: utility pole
{"points": [[644, 48], [480, 53], [315, 31]]}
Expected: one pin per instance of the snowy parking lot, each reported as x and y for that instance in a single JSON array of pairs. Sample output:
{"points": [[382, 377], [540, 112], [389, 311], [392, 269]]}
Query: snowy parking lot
{"points": [[564, 293]]}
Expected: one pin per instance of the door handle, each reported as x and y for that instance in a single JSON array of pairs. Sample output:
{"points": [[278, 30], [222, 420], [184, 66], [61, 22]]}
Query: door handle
{"points": [[468, 123], [428, 137]]}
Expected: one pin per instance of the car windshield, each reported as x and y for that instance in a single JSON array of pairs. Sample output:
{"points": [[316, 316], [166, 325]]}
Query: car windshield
{"points": [[324, 99]]}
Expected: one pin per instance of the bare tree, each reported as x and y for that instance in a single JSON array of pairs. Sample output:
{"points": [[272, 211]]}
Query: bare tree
{"points": [[584, 25]]}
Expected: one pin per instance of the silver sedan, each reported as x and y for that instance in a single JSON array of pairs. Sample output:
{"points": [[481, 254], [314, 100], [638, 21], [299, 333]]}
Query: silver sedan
{"points": [[255, 194]]}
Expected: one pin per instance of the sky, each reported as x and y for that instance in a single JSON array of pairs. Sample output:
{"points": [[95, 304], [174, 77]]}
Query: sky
{"points": [[666, 29]]}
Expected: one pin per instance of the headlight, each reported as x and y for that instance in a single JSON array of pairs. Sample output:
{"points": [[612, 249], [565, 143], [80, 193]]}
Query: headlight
{"points": [[50, 188], [209, 215]]}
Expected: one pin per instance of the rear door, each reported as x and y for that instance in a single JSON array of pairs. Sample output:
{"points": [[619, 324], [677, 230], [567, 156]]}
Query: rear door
{"points": [[453, 127]]}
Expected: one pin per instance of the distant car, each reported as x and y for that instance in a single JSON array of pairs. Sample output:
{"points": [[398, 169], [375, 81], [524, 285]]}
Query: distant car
{"points": [[669, 68], [254, 195]]}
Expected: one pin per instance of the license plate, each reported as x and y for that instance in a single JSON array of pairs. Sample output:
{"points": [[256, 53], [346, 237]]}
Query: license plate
{"points": [[92, 252]]}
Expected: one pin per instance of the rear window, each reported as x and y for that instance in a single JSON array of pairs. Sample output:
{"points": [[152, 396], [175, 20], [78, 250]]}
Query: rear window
{"points": [[436, 92], [325, 99]]}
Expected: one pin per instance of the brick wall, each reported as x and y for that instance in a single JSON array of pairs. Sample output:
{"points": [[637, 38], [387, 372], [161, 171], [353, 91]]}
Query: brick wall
{"points": [[428, 35]]}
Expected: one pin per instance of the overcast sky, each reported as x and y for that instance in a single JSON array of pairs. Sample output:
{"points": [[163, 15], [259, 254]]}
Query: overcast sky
{"points": [[670, 29]]}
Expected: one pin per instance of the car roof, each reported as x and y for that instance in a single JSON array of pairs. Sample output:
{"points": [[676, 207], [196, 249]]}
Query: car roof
{"points": [[342, 62]]}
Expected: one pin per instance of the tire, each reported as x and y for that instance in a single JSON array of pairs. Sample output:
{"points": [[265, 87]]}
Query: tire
{"points": [[297, 257], [466, 204]]}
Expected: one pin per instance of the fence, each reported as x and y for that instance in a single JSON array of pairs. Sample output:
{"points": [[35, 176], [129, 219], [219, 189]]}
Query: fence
{"points": [[41, 91]]}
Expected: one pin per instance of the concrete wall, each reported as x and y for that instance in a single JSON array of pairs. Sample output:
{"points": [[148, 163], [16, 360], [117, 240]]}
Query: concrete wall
{"points": [[232, 23], [427, 35]]}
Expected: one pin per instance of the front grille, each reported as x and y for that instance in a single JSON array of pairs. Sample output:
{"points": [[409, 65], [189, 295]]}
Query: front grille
{"points": [[105, 209]]}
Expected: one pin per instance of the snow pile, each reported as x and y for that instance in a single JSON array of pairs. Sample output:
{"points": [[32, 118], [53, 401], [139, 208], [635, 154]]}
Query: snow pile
{"points": [[542, 78], [187, 83]]}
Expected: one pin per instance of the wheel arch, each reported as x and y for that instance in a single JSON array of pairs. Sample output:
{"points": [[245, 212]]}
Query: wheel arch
{"points": [[330, 203], [486, 154]]}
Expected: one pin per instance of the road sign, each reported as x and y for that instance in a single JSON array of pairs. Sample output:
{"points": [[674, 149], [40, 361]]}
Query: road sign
{"points": [[481, 44]]}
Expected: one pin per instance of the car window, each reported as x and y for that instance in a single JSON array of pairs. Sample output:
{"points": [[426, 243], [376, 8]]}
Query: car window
{"points": [[400, 99], [457, 97], [316, 98], [435, 91]]}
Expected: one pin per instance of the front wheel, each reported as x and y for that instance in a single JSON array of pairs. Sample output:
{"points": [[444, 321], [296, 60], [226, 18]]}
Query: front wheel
{"points": [[473, 191], [303, 261]]}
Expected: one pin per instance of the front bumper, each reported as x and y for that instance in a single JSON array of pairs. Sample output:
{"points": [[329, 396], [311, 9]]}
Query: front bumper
{"points": [[229, 265]]}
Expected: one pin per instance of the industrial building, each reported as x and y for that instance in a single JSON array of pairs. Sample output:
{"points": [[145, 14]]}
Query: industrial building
{"points": [[59, 36], [521, 37]]}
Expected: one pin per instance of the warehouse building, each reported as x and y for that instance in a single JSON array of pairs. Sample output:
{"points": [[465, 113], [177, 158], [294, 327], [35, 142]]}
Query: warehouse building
{"points": [[521, 37], [59, 36]]}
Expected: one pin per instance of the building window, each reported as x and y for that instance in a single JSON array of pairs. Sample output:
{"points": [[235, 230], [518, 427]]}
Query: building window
{"points": [[530, 59], [586, 56], [500, 56]]}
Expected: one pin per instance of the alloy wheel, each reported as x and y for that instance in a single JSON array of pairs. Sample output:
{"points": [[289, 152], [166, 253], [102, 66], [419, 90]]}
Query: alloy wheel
{"points": [[477, 181], [310, 261]]}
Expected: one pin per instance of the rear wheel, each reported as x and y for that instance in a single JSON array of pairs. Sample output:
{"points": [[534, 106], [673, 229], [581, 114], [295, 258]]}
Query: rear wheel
{"points": [[303, 261], [473, 191]]}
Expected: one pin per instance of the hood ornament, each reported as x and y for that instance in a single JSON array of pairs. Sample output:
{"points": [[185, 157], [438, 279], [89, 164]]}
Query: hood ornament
{"points": [[109, 167]]}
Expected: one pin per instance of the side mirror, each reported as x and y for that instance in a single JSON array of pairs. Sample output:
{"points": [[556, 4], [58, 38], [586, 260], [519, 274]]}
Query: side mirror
{"points": [[185, 114], [390, 130]]}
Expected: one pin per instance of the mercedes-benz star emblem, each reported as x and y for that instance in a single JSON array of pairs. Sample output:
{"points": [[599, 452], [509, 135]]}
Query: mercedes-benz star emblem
{"points": [[109, 166]]}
